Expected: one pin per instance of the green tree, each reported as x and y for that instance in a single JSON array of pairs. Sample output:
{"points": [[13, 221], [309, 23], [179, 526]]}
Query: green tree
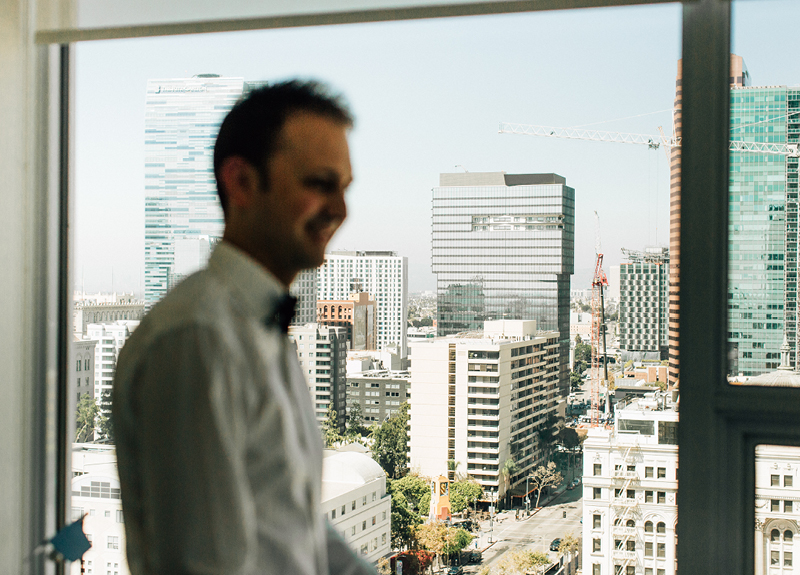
{"points": [[518, 562], [355, 429], [569, 544], [462, 493], [509, 468], [414, 488], [569, 440], [105, 424], [543, 477], [583, 352], [403, 522], [390, 443], [330, 428], [575, 379], [86, 417]]}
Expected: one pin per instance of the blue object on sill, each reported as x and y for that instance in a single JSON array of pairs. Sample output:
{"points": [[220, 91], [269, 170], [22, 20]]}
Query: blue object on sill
{"points": [[71, 541]]}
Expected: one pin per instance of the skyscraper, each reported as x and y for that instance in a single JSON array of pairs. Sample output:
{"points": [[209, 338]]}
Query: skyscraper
{"points": [[183, 217], [383, 275], [503, 248], [763, 243], [643, 309], [739, 76]]}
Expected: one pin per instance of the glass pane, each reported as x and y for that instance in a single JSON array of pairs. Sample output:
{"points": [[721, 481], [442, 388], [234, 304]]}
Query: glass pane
{"points": [[450, 225], [764, 130], [776, 525]]}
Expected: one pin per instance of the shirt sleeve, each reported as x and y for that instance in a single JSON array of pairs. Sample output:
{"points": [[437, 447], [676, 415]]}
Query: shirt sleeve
{"points": [[342, 560], [187, 430]]}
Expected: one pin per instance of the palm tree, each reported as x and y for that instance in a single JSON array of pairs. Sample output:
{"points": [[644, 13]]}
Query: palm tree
{"points": [[509, 467], [452, 468]]}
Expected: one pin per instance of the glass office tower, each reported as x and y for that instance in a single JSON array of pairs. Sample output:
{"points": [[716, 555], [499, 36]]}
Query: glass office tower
{"points": [[762, 292], [183, 218], [503, 248]]}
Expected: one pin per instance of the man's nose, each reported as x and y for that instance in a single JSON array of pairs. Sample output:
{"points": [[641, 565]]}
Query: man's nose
{"points": [[338, 205]]}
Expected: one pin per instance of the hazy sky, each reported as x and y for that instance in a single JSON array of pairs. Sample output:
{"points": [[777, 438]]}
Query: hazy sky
{"points": [[428, 96]]}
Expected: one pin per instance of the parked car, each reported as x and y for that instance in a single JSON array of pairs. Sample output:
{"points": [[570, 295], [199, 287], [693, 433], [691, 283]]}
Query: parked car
{"points": [[554, 544], [455, 570], [475, 557]]}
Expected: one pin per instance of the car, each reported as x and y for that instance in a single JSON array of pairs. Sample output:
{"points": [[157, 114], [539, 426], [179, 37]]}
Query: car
{"points": [[554, 544], [455, 570], [475, 557]]}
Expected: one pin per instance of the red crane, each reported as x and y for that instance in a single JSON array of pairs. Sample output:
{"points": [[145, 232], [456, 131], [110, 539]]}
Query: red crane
{"points": [[598, 329]]}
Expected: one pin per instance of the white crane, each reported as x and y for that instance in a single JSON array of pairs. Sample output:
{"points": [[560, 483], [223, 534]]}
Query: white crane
{"points": [[653, 142]]}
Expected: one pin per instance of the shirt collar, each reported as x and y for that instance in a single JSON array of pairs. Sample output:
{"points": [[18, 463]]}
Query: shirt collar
{"points": [[255, 287]]}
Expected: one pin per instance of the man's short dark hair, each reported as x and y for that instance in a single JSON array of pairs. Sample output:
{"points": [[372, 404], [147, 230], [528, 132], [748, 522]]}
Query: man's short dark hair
{"points": [[252, 127]]}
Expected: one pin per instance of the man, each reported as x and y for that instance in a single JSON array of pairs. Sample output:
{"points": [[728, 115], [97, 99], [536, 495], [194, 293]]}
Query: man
{"points": [[219, 453]]}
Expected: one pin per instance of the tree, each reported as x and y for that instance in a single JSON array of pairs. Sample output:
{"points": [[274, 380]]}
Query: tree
{"points": [[440, 539], [452, 465], [583, 352], [509, 467], [330, 428], [575, 379], [578, 339], [518, 562], [105, 425], [569, 544], [384, 567], [355, 429], [462, 493], [568, 438], [543, 477], [86, 418], [414, 488], [390, 443], [403, 522]]}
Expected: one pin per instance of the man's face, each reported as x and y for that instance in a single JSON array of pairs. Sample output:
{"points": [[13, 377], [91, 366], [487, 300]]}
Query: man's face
{"points": [[303, 203]]}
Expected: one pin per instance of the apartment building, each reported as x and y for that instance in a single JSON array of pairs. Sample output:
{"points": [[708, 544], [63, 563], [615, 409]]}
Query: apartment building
{"points": [[384, 275], [478, 397], [357, 314], [379, 392], [629, 490], [322, 352]]}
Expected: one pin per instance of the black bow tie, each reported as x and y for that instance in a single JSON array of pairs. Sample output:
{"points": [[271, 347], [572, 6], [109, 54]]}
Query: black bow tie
{"points": [[283, 313]]}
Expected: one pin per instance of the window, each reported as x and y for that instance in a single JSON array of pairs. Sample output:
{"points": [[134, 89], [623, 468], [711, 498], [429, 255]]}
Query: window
{"points": [[787, 558], [107, 513], [78, 367], [617, 492], [354, 505], [343, 509], [598, 469], [383, 539], [374, 495], [774, 557], [374, 519], [364, 500], [596, 521], [662, 497], [597, 492], [112, 542], [630, 545], [648, 472], [775, 536], [363, 525], [775, 505], [648, 527], [661, 528], [596, 569], [596, 545], [648, 548], [661, 549], [787, 481], [333, 514], [119, 516], [384, 516], [787, 506], [631, 494], [648, 496], [788, 536], [353, 530], [662, 472], [774, 480]]}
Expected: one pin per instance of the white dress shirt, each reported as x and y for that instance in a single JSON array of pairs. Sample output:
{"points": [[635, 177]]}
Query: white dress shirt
{"points": [[218, 448]]}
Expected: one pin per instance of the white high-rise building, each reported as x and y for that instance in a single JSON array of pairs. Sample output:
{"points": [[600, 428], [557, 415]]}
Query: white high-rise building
{"points": [[304, 288], [110, 338], [629, 490], [383, 275], [478, 398], [322, 352]]}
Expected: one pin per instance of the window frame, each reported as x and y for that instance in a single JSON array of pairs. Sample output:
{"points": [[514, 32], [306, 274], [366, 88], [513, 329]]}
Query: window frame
{"points": [[720, 424]]}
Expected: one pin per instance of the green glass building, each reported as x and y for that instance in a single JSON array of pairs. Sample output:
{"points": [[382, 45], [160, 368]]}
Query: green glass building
{"points": [[762, 288]]}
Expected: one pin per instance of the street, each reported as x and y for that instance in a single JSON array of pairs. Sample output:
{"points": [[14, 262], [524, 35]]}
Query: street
{"points": [[534, 533]]}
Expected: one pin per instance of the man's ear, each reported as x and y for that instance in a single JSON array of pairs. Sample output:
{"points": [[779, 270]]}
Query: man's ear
{"points": [[240, 179]]}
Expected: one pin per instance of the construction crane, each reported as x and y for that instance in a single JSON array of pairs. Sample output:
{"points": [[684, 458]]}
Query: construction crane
{"points": [[598, 329], [652, 142]]}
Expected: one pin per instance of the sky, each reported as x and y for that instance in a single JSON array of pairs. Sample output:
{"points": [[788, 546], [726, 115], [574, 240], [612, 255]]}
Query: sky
{"points": [[428, 96]]}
